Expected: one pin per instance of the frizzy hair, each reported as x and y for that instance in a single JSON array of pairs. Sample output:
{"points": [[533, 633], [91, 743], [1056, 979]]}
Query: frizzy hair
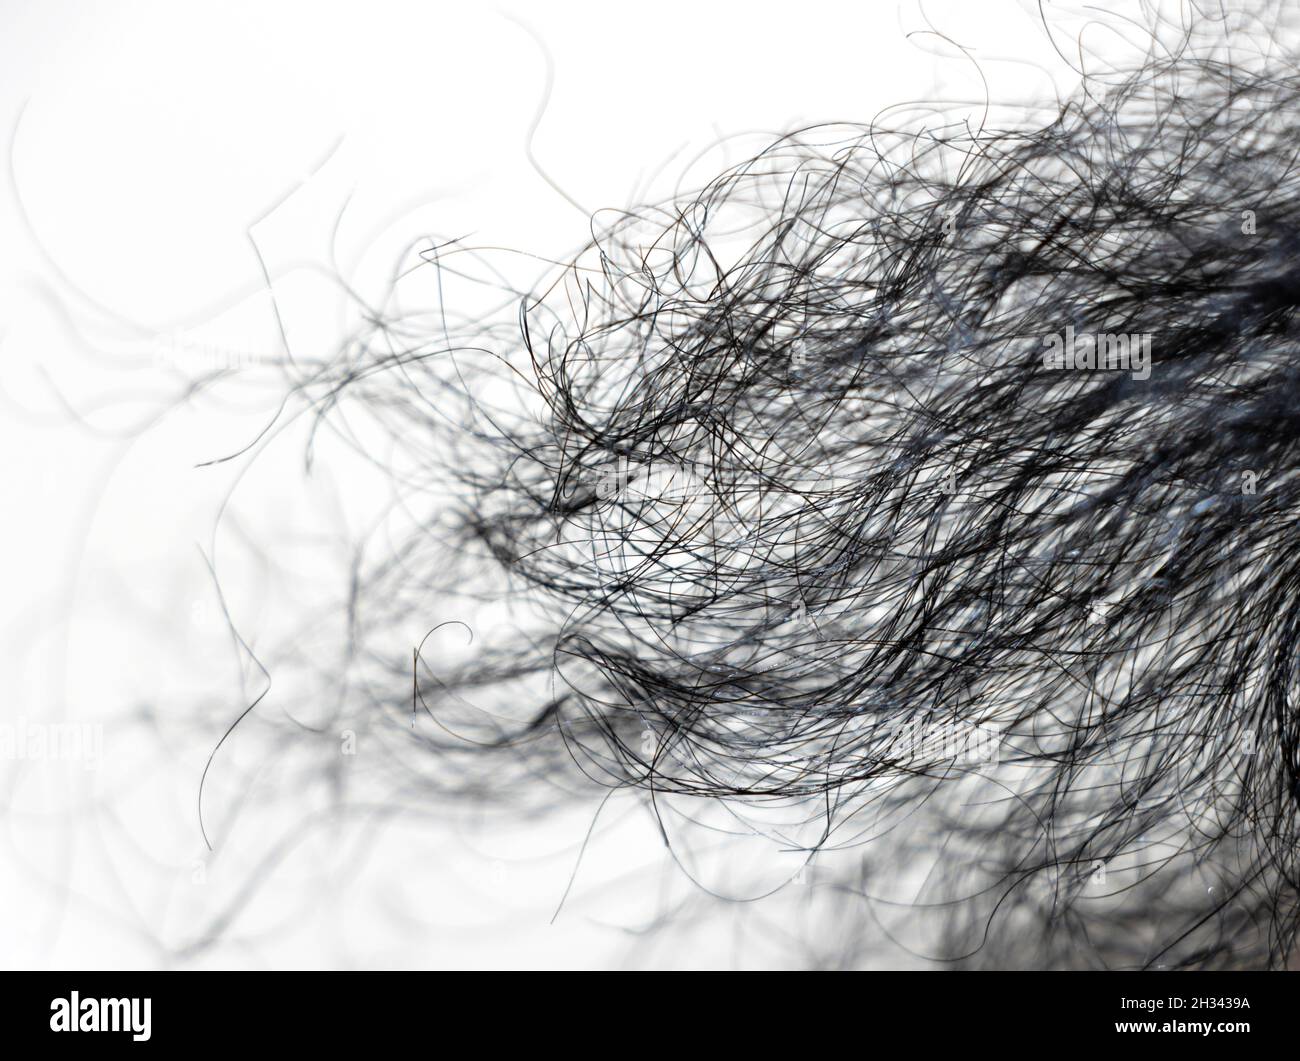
{"points": [[772, 478]]}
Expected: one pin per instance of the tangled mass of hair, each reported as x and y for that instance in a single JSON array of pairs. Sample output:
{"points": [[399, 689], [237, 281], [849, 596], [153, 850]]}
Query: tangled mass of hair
{"points": [[923, 500]]}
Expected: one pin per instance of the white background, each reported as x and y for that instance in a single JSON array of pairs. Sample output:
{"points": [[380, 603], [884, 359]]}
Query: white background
{"points": [[150, 144]]}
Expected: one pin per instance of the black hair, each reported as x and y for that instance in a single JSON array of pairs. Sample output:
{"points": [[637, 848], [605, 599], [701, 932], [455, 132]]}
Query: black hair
{"points": [[806, 512]]}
